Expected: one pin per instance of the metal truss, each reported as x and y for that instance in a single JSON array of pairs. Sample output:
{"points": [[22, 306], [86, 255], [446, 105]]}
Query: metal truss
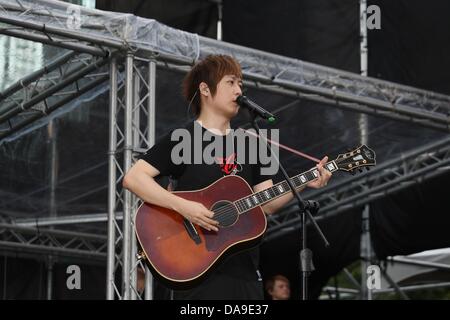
{"points": [[64, 220], [60, 243], [37, 238], [342, 89], [132, 130], [436, 118], [389, 177], [29, 29], [29, 206], [420, 107], [269, 72], [42, 92]]}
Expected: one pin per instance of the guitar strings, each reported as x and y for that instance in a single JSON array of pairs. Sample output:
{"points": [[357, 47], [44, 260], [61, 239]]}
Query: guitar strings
{"points": [[227, 210], [230, 208]]}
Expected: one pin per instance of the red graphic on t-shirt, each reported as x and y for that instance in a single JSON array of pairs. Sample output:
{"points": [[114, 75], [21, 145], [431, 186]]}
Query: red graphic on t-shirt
{"points": [[228, 164]]}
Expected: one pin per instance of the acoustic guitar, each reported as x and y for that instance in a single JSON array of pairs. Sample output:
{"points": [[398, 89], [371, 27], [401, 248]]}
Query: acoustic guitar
{"points": [[181, 254]]}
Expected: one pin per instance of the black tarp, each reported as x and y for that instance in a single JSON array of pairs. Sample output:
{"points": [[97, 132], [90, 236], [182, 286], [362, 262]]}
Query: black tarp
{"points": [[412, 220], [412, 47], [26, 279], [196, 16]]}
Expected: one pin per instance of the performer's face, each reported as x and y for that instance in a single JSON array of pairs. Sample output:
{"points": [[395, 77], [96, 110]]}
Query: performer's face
{"points": [[228, 89]]}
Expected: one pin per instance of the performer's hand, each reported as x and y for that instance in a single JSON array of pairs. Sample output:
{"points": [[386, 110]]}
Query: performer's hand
{"points": [[197, 213], [324, 175]]}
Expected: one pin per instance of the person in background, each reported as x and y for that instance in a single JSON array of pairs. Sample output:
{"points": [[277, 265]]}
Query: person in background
{"points": [[278, 287]]}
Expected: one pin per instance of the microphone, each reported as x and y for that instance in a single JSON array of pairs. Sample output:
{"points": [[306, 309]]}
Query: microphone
{"points": [[243, 101]]}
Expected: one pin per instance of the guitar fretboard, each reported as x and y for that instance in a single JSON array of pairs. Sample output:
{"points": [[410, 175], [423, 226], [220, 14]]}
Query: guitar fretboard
{"points": [[279, 189]]}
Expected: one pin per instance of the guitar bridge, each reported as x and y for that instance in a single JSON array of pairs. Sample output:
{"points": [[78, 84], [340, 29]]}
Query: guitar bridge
{"points": [[193, 234]]}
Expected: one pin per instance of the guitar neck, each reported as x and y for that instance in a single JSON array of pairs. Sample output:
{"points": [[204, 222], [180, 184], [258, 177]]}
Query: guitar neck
{"points": [[282, 188]]}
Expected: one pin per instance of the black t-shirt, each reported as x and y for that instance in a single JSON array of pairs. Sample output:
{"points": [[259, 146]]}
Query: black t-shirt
{"points": [[194, 175]]}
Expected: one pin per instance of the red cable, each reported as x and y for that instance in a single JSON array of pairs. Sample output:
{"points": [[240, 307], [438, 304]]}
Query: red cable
{"points": [[301, 154]]}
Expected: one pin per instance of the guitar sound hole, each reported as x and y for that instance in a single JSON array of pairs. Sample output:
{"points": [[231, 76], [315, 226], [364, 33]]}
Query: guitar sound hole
{"points": [[225, 212]]}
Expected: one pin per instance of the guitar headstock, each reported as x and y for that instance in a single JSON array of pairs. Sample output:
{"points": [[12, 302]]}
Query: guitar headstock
{"points": [[361, 157]]}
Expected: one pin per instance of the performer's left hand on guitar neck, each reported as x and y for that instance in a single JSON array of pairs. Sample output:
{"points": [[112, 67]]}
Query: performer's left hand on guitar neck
{"points": [[324, 175], [277, 204]]}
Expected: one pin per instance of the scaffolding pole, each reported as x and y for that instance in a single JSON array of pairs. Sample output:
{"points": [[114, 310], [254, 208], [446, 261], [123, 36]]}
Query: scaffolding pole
{"points": [[112, 180], [134, 108], [366, 251], [50, 241], [151, 109]]}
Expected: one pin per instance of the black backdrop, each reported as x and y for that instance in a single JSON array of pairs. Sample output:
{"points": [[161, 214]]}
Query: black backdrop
{"points": [[323, 32], [412, 47]]}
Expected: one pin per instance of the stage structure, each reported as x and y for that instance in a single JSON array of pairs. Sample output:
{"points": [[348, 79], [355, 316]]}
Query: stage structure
{"points": [[124, 54]]}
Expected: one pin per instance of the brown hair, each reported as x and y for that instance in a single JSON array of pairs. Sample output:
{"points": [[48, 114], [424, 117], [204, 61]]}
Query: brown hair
{"points": [[210, 70], [271, 282]]}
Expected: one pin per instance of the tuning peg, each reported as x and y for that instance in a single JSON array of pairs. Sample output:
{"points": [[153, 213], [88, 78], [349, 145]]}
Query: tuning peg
{"points": [[368, 168], [353, 172], [360, 170]]}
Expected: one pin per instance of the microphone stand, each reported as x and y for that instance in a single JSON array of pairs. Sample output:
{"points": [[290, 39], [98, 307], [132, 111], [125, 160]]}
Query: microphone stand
{"points": [[306, 265]]}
